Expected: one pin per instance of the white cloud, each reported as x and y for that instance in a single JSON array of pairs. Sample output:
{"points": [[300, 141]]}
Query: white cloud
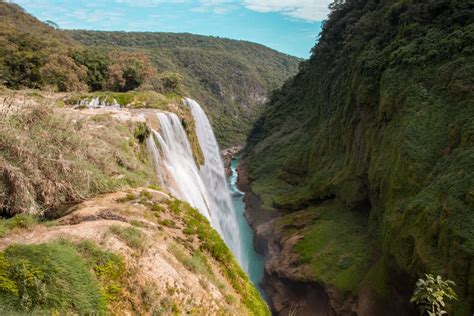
{"points": [[309, 10], [149, 3], [217, 6]]}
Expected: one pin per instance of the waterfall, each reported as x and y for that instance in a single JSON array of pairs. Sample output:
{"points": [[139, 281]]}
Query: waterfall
{"points": [[204, 187], [181, 174], [213, 174]]}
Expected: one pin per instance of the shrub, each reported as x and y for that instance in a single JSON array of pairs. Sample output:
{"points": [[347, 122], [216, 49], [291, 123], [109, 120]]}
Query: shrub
{"points": [[141, 132], [157, 208], [20, 221], [196, 263], [129, 71], [430, 294], [22, 55], [63, 74], [168, 82], [108, 267], [132, 236], [97, 64]]}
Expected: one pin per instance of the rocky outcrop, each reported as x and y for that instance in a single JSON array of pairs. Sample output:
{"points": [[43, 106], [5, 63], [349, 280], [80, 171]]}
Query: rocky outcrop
{"points": [[227, 155]]}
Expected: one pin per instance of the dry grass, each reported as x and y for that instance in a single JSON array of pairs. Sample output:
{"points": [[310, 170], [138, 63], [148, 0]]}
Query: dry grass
{"points": [[51, 156]]}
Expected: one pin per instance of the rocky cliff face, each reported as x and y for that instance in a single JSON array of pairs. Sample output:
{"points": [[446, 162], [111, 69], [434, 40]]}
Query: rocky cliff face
{"points": [[361, 167]]}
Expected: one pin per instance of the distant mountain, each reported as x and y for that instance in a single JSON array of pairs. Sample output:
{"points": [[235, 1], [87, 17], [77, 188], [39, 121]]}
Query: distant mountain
{"points": [[230, 78]]}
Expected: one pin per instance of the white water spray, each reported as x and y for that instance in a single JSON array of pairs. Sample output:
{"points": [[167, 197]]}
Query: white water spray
{"points": [[203, 187]]}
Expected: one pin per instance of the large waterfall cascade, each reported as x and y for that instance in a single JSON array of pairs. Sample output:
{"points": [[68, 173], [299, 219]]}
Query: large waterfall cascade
{"points": [[204, 187]]}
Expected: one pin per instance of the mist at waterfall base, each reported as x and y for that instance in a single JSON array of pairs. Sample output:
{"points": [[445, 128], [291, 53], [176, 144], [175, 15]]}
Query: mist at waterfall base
{"points": [[204, 187]]}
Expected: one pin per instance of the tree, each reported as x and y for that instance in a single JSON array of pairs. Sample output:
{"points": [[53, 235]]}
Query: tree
{"points": [[63, 74], [129, 71], [430, 294], [168, 82], [97, 64], [22, 56], [53, 24]]}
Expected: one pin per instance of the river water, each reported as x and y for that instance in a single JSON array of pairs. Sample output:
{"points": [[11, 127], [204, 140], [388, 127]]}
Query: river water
{"points": [[251, 261]]}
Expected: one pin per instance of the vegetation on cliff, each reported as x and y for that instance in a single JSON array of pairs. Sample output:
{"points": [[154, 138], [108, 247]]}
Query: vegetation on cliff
{"points": [[230, 78], [379, 123]]}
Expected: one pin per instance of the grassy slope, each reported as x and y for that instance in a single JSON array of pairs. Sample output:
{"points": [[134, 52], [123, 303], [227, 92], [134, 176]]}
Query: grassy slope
{"points": [[13, 18], [380, 120]]}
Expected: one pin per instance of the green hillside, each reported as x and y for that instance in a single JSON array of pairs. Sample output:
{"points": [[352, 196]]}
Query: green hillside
{"points": [[375, 138], [230, 78]]}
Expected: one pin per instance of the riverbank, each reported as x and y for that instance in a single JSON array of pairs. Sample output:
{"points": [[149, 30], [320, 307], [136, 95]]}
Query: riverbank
{"points": [[227, 155]]}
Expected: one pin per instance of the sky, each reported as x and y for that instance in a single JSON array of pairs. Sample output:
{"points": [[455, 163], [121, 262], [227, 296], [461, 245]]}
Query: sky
{"points": [[289, 26]]}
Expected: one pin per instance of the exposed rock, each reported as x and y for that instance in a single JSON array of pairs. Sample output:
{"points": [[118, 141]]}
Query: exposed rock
{"points": [[243, 182], [227, 155]]}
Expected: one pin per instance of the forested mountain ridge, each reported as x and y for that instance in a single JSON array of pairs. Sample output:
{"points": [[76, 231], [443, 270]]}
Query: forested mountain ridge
{"points": [[365, 160], [231, 78]]}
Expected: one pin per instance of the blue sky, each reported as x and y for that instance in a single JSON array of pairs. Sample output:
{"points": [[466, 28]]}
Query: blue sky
{"points": [[290, 26]]}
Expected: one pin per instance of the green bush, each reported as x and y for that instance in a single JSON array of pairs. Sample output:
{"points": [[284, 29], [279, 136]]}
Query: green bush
{"points": [[430, 294], [132, 236], [108, 267], [97, 64], [128, 71], [141, 132], [47, 277], [168, 82], [62, 74], [21, 221]]}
